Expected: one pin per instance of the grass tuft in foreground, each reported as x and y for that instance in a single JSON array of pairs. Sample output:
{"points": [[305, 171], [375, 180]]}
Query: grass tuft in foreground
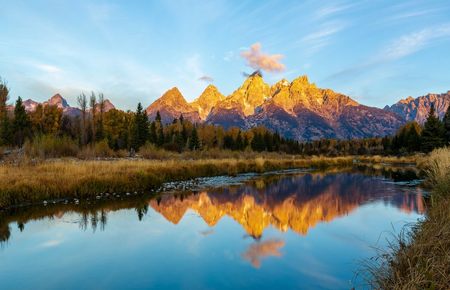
{"points": [[419, 257]]}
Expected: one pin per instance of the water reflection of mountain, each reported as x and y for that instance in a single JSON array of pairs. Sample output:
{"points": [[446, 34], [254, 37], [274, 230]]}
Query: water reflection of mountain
{"points": [[296, 202]]}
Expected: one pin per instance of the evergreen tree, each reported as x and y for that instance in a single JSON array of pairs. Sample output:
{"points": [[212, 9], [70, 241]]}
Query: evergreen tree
{"points": [[158, 117], [21, 123], [412, 137], [228, 142], [4, 120], [258, 142], [194, 142], [160, 134], [140, 128], [433, 132], [447, 125], [152, 135], [239, 142]]}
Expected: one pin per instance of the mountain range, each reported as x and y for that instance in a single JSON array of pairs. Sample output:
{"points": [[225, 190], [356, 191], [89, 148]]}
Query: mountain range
{"points": [[298, 110], [58, 101]]}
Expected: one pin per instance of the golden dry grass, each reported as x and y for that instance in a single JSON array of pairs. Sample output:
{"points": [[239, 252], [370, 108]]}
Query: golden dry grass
{"points": [[419, 258], [28, 182]]}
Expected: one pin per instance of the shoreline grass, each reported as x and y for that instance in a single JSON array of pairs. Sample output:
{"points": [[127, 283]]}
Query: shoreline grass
{"points": [[419, 257], [31, 182]]}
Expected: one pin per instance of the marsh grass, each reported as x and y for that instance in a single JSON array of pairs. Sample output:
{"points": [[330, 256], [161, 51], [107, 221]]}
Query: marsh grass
{"points": [[419, 257], [47, 146], [30, 182]]}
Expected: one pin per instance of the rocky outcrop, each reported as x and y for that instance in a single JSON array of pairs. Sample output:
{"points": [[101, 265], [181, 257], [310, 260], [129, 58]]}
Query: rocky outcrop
{"points": [[206, 101], [417, 109], [170, 106], [302, 111]]}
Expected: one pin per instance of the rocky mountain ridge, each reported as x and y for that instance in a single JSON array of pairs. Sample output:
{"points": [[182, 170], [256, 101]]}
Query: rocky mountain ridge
{"points": [[299, 109], [416, 109], [60, 102]]}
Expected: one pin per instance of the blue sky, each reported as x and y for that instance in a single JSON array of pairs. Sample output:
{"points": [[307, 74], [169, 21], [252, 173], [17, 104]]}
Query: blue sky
{"points": [[375, 51]]}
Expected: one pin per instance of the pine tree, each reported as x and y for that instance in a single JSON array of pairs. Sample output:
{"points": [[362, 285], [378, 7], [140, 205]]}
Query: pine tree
{"points": [[412, 137], [158, 117], [239, 142], [140, 128], [447, 125], [4, 120], [194, 142], [152, 136], [21, 123], [433, 132]]}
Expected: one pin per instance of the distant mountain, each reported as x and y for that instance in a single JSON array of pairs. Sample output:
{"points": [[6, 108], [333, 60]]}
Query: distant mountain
{"points": [[170, 106], [107, 106], [417, 109], [58, 101], [30, 105]]}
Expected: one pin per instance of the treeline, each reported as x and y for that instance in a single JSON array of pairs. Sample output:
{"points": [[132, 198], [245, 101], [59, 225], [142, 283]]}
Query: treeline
{"points": [[410, 138], [128, 131], [125, 130]]}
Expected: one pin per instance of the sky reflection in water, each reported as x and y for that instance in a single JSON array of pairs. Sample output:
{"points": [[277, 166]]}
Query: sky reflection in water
{"points": [[303, 231]]}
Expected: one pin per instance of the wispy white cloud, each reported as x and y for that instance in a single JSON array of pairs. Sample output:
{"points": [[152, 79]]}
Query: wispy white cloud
{"points": [[413, 14], [413, 42], [321, 37], [399, 48], [333, 9]]}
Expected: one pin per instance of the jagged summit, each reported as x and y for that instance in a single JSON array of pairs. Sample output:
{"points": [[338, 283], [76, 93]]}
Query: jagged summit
{"points": [[207, 100], [57, 100], [417, 109], [171, 105]]}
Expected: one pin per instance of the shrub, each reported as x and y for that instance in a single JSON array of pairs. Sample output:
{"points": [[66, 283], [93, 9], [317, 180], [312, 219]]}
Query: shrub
{"points": [[49, 146], [150, 151], [98, 150]]}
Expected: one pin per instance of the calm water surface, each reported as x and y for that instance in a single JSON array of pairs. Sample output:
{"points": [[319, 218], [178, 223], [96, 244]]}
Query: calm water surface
{"points": [[296, 231]]}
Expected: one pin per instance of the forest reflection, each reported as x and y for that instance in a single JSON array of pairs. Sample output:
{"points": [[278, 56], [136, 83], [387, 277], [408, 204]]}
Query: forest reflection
{"points": [[285, 202]]}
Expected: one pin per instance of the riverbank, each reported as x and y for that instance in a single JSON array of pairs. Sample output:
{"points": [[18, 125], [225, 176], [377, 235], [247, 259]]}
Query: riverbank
{"points": [[419, 258], [31, 182]]}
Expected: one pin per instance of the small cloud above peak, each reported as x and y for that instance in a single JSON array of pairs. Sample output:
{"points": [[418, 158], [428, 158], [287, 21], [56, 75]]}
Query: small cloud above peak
{"points": [[206, 79], [259, 60]]}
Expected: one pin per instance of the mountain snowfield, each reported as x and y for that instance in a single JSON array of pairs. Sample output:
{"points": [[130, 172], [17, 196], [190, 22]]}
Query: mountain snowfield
{"points": [[298, 109]]}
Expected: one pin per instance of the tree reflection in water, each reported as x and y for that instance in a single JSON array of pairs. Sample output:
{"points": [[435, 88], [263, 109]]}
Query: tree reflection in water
{"points": [[286, 202]]}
